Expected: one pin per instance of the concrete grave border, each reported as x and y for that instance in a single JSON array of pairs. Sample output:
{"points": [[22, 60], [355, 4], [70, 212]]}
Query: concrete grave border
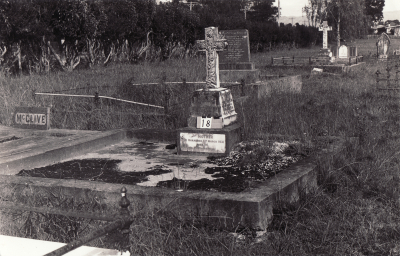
{"points": [[253, 208]]}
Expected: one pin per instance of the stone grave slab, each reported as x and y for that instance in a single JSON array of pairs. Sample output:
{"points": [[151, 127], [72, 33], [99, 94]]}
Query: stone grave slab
{"points": [[252, 207]]}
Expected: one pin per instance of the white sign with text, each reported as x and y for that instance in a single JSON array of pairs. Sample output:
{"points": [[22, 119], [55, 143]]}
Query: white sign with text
{"points": [[203, 142]]}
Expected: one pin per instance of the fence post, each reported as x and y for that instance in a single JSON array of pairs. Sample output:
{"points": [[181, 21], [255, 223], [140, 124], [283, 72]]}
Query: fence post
{"points": [[96, 99], [166, 93], [166, 98], [242, 85], [377, 78], [34, 95], [123, 222], [293, 60], [272, 61], [388, 76]]}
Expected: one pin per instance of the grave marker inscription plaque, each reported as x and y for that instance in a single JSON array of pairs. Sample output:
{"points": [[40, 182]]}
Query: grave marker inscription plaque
{"points": [[32, 118]]}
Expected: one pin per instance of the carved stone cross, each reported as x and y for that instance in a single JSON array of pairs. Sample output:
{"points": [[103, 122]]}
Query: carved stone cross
{"points": [[325, 28], [211, 45]]}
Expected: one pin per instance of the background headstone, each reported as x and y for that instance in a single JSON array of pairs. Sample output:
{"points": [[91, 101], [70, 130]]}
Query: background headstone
{"points": [[237, 54], [382, 46], [235, 62], [343, 51]]}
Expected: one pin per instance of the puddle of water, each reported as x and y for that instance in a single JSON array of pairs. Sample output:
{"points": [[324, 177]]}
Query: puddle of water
{"points": [[157, 164]]}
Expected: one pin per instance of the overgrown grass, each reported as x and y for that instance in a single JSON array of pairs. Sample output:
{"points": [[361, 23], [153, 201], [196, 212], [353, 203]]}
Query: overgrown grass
{"points": [[355, 210]]}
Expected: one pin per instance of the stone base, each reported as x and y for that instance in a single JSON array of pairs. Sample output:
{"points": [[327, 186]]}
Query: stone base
{"points": [[325, 52], [195, 141], [215, 103], [237, 66], [249, 76]]}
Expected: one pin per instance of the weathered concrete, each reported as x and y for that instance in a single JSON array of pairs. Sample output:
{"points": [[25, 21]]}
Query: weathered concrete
{"points": [[331, 68], [36, 148], [252, 207], [341, 68], [268, 85], [12, 246]]}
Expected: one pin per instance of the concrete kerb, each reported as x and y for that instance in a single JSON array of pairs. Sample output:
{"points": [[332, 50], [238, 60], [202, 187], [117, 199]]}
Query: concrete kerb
{"points": [[341, 68], [252, 208]]}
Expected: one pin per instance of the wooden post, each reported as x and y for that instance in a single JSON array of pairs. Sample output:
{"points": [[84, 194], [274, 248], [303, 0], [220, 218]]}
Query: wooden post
{"points": [[242, 85], [388, 76], [377, 78]]}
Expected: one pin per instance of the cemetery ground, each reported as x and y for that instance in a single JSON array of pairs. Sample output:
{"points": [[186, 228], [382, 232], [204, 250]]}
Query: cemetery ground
{"points": [[355, 209]]}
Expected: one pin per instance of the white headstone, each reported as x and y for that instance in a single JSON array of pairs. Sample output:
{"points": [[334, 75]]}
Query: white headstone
{"points": [[343, 51]]}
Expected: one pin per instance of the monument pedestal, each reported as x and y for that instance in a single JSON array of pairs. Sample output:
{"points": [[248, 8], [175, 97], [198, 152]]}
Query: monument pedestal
{"points": [[212, 129], [211, 126], [212, 108], [217, 142], [325, 52]]}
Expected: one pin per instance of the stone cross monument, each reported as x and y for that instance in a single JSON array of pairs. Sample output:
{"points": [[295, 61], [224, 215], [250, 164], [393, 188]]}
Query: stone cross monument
{"points": [[212, 127], [211, 45], [325, 28]]}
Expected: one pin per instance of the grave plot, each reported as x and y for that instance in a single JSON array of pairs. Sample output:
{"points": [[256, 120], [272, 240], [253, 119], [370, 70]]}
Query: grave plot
{"points": [[152, 164], [241, 188]]}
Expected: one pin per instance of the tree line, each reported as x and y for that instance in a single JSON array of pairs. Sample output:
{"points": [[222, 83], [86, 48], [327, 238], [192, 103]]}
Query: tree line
{"points": [[42, 35]]}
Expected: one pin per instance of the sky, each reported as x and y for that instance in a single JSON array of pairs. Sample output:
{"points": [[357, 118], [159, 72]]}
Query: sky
{"points": [[294, 7]]}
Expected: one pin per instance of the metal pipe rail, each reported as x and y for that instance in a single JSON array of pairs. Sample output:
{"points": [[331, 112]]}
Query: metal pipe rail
{"points": [[118, 224], [121, 221], [97, 97]]}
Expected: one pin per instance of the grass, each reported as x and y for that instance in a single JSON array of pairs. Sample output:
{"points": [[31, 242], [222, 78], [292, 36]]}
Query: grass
{"points": [[355, 210]]}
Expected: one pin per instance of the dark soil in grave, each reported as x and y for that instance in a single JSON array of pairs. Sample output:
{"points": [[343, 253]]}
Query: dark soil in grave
{"points": [[9, 139], [236, 177], [105, 170], [244, 169]]}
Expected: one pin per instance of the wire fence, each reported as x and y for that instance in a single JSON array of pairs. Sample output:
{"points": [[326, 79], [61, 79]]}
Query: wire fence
{"points": [[131, 105], [391, 79], [306, 61]]}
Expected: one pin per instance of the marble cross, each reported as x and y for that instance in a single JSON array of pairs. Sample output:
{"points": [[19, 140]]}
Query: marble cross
{"points": [[212, 45], [325, 28]]}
